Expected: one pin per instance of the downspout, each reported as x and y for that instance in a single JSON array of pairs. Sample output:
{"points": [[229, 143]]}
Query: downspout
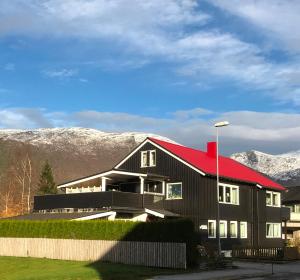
{"points": [[252, 218], [257, 213]]}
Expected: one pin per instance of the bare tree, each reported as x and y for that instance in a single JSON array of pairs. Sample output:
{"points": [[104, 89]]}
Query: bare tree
{"points": [[21, 179], [7, 198], [29, 179], [23, 174]]}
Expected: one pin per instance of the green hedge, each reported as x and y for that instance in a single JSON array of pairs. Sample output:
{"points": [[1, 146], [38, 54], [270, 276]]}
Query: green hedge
{"points": [[179, 230]]}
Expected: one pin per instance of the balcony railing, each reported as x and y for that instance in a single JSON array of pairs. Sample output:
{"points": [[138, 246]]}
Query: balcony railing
{"points": [[97, 200]]}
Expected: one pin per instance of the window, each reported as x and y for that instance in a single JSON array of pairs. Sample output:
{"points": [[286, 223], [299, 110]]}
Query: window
{"points": [[153, 187], [228, 194], [273, 230], [233, 229], [174, 191], [243, 229], [273, 199], [148, 158], [211, 229], [223, 229]]}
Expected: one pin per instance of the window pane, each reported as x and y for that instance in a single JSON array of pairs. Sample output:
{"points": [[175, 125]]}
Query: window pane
{"points": [[144, 158], [297, 208], [233, 229], [268, 198], [243, 230], [223, 232], [269, 230], [234, 193], [153, 187], [152, 158], [276, 199], [221, 194], [211, 229], [276, 230], [174, 191], [227, 194]]}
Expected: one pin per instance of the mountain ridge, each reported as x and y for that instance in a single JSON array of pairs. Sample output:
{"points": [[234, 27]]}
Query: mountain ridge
{"points": [[284, 168]]}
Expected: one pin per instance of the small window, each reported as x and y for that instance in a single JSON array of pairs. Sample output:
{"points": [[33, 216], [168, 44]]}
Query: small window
{"points": [[174, 191], [233, 229], [211, 229], [228, 194], [223, 229], [273, 199], [243, 229], [148, 158], [273, 230]]}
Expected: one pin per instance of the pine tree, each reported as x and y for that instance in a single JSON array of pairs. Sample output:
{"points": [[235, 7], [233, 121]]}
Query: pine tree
{"points": [[46, 183]]}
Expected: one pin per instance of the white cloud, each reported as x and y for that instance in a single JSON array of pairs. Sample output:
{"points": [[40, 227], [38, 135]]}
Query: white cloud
{"points": [[61, 73], [268, 132], [277, 19]]}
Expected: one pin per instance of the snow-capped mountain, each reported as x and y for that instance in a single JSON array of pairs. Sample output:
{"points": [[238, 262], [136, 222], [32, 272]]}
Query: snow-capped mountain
{"points": [[87, 139], [72, 152], [284, 168]]}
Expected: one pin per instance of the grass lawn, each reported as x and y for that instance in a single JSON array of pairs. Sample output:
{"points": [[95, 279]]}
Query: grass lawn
{"points": [[12, 268]]}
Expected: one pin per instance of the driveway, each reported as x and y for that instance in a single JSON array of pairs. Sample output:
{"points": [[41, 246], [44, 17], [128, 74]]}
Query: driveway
{"points": [[245, 270]]}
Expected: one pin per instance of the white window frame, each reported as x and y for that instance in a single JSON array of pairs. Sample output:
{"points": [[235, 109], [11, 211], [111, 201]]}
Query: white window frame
{"points": [[226, 229], [157, 193], [246, 230], [272, 236], [224, 186], [167, 191], [236, 229], [272, 202], [149, 158], [214, 227]]}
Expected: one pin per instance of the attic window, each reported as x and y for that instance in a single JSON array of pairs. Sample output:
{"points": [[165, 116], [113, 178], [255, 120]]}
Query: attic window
{"points": [[148, 158]]}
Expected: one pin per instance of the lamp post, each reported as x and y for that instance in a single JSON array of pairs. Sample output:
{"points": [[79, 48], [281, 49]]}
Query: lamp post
{"points": [[217, 125]]}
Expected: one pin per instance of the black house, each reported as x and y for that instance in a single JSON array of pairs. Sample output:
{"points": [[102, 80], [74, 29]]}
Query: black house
{"points": [[160, 179]]}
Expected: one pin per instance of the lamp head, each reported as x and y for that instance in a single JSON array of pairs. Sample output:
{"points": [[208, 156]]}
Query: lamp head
{"points": [[220, 124]]}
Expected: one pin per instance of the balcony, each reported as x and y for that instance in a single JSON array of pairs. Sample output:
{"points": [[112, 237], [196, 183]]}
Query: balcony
{"points": [[98, 200]]}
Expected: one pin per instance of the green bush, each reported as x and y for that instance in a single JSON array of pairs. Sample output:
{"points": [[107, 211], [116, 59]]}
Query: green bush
{"points": [[179, 230]]}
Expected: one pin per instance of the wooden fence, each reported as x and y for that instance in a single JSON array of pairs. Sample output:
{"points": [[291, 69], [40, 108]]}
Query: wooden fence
{"points": [[156, 254], [258, 253]]}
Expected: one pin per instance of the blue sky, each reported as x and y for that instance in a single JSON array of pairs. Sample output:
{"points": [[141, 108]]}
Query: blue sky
{"points": [[169, 67]]}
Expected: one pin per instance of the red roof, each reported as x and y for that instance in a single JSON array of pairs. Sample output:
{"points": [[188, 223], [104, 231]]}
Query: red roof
{"points": [[228, 167]]}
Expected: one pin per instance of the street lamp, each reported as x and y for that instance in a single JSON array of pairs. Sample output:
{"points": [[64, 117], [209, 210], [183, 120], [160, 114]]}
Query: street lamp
{"points": [[217, 125]]}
